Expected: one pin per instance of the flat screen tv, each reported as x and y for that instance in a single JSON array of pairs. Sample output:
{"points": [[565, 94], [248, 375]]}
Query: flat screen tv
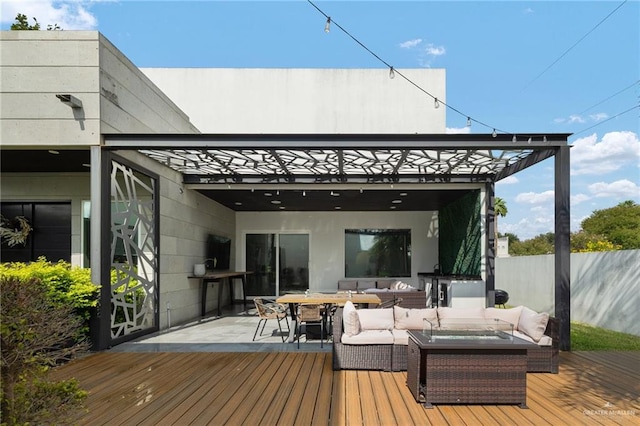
{"points": [[218, 253]]}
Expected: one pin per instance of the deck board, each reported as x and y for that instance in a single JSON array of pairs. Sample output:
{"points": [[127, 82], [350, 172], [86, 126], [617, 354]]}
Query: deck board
{"points": [[593, 388]]}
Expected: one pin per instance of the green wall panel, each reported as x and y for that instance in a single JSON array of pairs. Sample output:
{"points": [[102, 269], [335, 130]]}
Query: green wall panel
{"points": [[461, 236]]}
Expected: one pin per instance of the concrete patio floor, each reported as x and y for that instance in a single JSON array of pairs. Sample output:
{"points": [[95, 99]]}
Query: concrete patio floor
{"points": [[231, 332]]}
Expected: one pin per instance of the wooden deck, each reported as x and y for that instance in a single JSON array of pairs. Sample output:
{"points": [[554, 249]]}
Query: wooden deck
{"points": [[297, 388]]}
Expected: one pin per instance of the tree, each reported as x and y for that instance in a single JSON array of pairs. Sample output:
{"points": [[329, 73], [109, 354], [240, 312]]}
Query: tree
{"points": [[619, 225], [500, 208], [22, 24]]}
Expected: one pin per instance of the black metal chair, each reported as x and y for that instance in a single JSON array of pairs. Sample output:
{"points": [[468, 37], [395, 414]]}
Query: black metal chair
{"points": [[501, 297]]}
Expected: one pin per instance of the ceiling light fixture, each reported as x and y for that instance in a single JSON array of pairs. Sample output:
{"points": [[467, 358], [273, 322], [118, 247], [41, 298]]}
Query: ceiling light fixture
{"points": [[396, 201], [268, 194], [276, 202], [304, 193], [54, 152]]}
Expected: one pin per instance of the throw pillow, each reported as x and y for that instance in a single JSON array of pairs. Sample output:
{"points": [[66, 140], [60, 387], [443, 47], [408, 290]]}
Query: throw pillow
{"points": [[376, 319], [533, 323], [413, 319], [511, 315], [350, 319]]}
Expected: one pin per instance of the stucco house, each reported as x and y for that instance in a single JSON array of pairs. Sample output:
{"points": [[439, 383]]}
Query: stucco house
{"points": [[301, 176]]}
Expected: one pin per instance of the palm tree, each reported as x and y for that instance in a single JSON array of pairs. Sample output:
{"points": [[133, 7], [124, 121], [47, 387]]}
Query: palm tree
{"points": [[500, 209]]}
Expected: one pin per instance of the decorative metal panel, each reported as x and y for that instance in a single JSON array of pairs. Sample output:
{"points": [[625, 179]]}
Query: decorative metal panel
{"points": [[134, 259], [337, 162]]}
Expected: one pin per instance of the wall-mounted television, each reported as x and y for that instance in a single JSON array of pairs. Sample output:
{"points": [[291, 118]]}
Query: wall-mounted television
{"points": [[218, 253]]}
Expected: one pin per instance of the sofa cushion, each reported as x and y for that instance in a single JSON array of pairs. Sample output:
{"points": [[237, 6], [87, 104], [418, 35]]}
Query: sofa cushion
{"points": [[453, 318], [376, 319], [512, 315], [544, 340], [413, 319], [400, 337], [350, 319], [369, 337], [533, 323]]}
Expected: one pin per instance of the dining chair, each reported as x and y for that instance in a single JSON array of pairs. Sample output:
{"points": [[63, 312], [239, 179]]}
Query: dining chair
{"points": [[310, 314], [270, 310]]}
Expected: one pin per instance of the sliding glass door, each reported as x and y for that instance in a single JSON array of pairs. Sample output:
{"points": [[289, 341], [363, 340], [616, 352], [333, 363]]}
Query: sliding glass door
{"points": [[280, 263]]}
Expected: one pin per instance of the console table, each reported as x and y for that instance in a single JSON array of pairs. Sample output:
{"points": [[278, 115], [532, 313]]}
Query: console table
{"points": [[467, 370], [219, 277]]}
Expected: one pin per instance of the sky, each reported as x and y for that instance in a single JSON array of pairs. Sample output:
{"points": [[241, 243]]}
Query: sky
{"points": [[518, 66]]}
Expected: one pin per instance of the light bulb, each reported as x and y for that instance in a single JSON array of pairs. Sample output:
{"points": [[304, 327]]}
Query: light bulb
{"points": [[436, 103], [468, 121], [327, 26], [529, 141], [304, 193], [494, 134], [544, 139], [392, 74], [515, 139]]}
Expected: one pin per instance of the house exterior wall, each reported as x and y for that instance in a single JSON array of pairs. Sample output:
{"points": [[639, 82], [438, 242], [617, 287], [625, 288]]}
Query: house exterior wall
{"points": [[73, 187], [305, 100], [116, 97], [326, 238], [186, 219], [604, 290]]}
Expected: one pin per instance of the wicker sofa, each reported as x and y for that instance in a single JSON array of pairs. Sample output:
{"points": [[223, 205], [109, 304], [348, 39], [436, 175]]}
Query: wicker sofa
{"points": [[391, 355]]}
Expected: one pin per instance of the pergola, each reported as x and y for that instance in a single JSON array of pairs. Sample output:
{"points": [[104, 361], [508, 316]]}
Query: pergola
{"points": [[228, 167]]}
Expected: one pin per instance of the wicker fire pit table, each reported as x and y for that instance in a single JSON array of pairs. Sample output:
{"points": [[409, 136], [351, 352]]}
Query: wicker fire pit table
{"points": [[484, 364]]}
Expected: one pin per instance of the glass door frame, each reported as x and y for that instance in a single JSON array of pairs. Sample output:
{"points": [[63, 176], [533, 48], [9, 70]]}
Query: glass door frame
{"points": [[276, 233]]}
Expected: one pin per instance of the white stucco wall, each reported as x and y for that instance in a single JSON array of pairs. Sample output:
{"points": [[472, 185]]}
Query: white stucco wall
{"points": [[261, 100], [604, 286], [326, 238]]}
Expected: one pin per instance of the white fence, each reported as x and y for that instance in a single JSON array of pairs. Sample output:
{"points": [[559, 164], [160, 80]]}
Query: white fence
{"points": [[604, 286]]}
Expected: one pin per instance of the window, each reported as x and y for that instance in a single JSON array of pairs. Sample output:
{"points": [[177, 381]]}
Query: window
{"points": [[377, 253]]}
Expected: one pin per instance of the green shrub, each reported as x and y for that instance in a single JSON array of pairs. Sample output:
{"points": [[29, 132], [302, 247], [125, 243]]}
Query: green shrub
{"points": [[37, 332], [66, 285]]}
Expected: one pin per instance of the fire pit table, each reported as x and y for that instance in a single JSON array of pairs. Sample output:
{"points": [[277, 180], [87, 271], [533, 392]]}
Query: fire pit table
{"points": [[479, 362]]}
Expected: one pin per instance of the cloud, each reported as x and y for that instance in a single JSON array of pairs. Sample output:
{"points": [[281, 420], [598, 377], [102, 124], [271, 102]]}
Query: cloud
{"points": [[616, 150], [619, 189], [435, 50], [579, 198], [527, 11], [410, 43], [535, 197], [579, 119], [599, 116], [68, 15], [509, 180], [456, 130]]}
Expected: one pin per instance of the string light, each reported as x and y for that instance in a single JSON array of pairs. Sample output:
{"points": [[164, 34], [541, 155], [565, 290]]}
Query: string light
{"points": [[436, 104], [468, 121], [392, 74], [544, 139], [515, 139], [494, 133], [327, 26], [529, 141]]}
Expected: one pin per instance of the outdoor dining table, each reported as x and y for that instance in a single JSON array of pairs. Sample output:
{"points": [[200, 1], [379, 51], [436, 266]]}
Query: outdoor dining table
{"points": [[327, 299]]}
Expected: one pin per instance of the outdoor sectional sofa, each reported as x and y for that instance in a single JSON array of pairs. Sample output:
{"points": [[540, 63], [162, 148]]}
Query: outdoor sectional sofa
{"points": [[381, 342]]}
